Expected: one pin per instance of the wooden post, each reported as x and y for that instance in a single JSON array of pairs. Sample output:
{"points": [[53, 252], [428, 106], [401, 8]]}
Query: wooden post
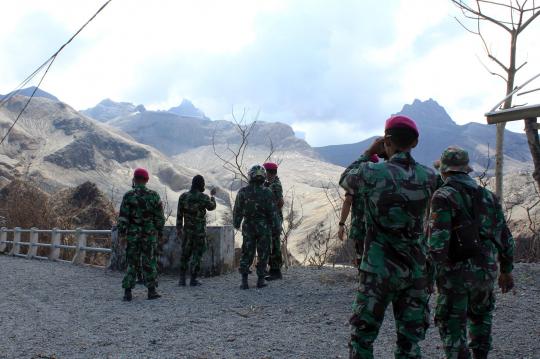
{"points": [[80, 253], [34, 239], [531, 130], [3, 239], [16, 248], [56, 240]]}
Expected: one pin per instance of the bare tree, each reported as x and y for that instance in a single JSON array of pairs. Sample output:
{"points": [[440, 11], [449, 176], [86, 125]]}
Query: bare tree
{"points": [[511, 17], [292, 219], [233, 157]]}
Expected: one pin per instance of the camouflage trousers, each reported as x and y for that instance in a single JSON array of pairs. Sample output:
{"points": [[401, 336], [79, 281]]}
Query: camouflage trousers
{"points": [[141, 256], [456, 308], [256, 237], [275, 260], [193, 247], [410, 305]]}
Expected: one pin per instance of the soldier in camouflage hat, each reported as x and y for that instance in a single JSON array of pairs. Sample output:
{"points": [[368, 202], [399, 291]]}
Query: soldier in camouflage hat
{"points": [[191, 227], [256, 211], [393, 268], [141, 220], [467, 233]]}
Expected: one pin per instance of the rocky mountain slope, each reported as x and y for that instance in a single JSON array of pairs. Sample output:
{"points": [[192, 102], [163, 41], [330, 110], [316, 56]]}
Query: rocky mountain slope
{"points": [[185, 127], [55, 146], [438, 131]]}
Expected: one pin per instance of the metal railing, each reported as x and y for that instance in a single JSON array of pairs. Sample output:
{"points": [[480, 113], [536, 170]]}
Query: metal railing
{"points": [[80, 244]]}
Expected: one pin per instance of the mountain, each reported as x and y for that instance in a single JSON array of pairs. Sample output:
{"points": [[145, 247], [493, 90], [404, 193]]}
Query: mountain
{"points": [[438, 131], [187, 109], [56, 147], [172, 133], [28, 92], [108, 109]]}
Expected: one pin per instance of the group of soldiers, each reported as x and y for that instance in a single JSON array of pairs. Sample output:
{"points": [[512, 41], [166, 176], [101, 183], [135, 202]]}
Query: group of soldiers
{"points": [[413, 229], [258, 209]]}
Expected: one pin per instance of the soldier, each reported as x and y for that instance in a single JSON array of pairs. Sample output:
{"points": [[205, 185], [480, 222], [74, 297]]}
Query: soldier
{"points": [[255, 206], [141, 220], [275, 260], [357, 232], [191, 227], [393, 268], [467, 234]]}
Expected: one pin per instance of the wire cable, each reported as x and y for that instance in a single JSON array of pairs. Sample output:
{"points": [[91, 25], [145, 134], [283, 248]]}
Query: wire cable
{"points": [[46, 65]]}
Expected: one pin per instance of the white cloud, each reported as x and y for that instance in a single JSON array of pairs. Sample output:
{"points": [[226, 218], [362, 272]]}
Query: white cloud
{"points": [[316, 64]]}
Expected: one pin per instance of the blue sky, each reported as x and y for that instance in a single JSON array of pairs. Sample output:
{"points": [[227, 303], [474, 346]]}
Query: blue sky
{"points": [[333, 69]]}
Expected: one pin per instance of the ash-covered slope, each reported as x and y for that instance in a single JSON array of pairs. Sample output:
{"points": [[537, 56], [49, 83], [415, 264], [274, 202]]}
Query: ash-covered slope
{"points": [[185, 127], [438, 131]]}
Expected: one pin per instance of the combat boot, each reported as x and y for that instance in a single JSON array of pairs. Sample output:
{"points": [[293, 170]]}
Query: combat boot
{"points": [[261, 282], [244, 284], [274, 274], [479, 354], [193, 282], [127, 295], [152, 294], [182, 281]]}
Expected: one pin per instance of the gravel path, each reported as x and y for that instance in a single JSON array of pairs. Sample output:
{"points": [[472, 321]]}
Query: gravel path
{"points": [[57, 310]]}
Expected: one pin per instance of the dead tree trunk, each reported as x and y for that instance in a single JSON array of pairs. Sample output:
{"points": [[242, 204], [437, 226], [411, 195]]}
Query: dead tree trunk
{"points": [[531, 130]]}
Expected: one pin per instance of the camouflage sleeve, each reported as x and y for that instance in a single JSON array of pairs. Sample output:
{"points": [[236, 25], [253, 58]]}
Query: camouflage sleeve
{"points": [[123, 216], [504, 240], [440, 229], [274, 217], [278, 194], [351, 179], [159, 217], [210, 203], [238, 210], [180, 214]]}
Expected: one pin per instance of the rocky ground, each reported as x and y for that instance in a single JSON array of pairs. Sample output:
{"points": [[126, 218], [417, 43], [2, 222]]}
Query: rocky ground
{"points": [[56, 310]]}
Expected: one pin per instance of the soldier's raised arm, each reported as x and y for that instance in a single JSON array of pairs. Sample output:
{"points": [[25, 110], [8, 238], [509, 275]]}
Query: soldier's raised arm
{"points": [[210, 202], [353, 177]]}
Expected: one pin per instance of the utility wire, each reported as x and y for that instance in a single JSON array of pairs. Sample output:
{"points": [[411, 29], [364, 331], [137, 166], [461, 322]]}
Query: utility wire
{"points": [[46, 65]]}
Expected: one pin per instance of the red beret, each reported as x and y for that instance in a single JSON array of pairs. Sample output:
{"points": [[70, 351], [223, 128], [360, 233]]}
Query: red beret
{"points": [[401, 121], [141, 173], [270, 166]]}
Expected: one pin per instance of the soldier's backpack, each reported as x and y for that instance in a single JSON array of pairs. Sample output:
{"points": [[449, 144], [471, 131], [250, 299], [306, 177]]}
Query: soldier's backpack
{"points": [[465, 241]]}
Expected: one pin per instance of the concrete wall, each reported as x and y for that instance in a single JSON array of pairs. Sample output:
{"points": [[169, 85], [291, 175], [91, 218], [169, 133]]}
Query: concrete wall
{"points": [[218, 258]]}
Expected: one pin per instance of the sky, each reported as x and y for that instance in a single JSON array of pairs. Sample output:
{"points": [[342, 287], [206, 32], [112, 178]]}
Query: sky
{"points": [[332, 69]]}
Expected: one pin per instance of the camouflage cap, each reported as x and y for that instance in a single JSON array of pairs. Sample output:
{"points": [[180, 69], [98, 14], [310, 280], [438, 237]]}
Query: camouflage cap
{"points": [[455, 159]]}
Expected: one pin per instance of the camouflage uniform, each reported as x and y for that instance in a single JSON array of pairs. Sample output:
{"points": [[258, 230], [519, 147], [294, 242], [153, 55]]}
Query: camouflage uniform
{"points": [[141, 220], [191, 217], [466, 288], [393, 268], [255, 206], [275, 260]]}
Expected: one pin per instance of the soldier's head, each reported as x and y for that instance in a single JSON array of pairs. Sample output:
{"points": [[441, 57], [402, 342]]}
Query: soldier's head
{"points": [[271, 170], [197, 183], [454, 160], [400, 135], [257, 174], [140, 176]]}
